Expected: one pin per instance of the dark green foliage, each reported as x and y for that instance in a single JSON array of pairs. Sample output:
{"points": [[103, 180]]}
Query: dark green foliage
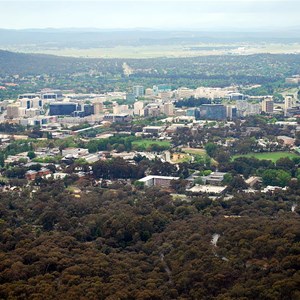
{"points": [[276, 177], [128, 244], [211, 149]]}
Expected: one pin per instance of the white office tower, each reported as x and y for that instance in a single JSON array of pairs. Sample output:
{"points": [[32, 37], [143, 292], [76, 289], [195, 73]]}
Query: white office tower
{"points": [[138, 91], [289, 102], [230, 112], [138, 108], [267, 105], [116, 108], [169, 109]]}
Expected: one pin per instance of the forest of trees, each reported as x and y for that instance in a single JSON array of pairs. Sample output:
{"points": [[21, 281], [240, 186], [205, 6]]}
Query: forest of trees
{"points": [[122, 243]]}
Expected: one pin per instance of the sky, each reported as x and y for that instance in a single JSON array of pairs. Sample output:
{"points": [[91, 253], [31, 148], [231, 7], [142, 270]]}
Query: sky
{"points": [[167, 14]]}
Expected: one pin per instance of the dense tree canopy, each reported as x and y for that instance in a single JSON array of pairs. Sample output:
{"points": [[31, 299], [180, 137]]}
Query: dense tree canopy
{"points": [[122, 243]]}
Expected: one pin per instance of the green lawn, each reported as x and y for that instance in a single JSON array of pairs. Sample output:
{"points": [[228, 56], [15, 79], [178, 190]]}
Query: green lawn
{"points": [[148, 143], [273, 156]]}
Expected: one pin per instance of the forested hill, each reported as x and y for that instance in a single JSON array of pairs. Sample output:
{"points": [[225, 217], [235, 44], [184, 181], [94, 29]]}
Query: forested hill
{"points": [[225, 65], [215, 70], [35, 64]]}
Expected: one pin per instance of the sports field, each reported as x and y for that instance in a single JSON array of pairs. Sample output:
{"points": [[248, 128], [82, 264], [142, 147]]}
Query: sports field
{"points": [[148, 143], [273, 156]]}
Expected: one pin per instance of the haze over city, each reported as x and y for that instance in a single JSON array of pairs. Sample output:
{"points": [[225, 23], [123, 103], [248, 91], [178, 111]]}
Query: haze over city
{"points": [[197, 15]]}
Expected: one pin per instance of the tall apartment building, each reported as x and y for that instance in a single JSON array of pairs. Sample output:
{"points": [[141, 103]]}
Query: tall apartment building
{"points": [[267, 105], [138, 90], [289, 101]]}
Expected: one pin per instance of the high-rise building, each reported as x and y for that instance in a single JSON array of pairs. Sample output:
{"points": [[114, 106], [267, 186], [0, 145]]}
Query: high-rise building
{"points": [[289, 101], [213, 111], [267, 105], [231, 112], [138, 108], [98, 106], [83, 110], [116, 108], [62, 108], [169, 109], [138, 91]]}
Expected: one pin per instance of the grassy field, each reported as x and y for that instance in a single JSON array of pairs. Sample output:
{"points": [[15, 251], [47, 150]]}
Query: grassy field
{"points": [[180, 158], [194, 151], [273, 156], [147, 143]]}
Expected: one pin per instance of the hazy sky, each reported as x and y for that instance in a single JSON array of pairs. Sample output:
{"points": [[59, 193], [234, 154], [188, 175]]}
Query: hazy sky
{"points": [[167, 14]]}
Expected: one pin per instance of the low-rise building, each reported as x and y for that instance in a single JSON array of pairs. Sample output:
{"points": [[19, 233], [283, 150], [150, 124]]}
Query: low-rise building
{"points": [[75, 152], [118, 118], [155, 180], [215, 178], [288, 141], [208, 189]]}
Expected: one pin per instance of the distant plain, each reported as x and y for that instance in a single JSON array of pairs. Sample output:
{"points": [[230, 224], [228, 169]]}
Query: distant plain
{"points": [[154, 51]]}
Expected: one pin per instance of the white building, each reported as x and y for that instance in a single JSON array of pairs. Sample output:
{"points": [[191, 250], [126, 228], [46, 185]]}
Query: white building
{"points": [[138, 108], [75, 152], [138, 90], [155, 180], [169, 109]]}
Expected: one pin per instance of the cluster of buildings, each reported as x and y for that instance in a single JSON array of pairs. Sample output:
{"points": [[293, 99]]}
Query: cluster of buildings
{"points": [[293, 80], [52, 106]]}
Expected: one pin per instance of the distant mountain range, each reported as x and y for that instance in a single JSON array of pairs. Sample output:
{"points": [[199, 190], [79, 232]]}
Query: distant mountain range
{"points": [[95, 38]]}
